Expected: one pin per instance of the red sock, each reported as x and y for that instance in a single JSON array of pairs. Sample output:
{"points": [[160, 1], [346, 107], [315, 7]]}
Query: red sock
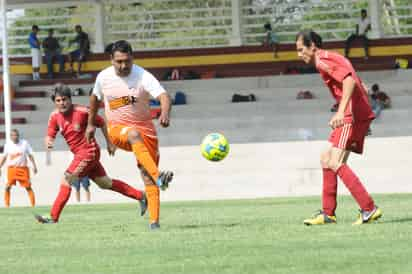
{"points": [[126, 189], [356, 188], [60, 202], [330, 187]]}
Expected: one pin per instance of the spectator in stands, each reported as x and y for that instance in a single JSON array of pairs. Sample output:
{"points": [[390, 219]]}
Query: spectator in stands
{"points": [[271, 39], [52, 50], [362, 28], [379, 100], [84, 181], [82, 51], [35, 52]]}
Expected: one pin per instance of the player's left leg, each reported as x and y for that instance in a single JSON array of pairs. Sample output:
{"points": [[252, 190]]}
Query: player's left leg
{"points": [[99, 176], [338, 162], [32, 198], [7, 195], [123, 188]]}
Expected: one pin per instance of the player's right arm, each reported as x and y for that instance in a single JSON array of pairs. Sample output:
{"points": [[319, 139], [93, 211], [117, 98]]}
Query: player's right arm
{"points": [[102, 125], [52, 129], [94, 103]]}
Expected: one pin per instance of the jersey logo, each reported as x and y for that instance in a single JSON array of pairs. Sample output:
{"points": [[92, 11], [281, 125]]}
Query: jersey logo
{"points": [[76, 127], [15, 155]]}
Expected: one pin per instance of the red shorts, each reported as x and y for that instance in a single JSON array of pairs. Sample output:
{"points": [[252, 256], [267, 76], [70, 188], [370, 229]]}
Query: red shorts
{"points": [[350, 136], [86, 163]]}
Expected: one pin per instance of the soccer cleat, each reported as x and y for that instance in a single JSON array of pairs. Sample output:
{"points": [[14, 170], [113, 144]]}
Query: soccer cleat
{"points": [[143, 204], [154, 226], [44, 219], [164, 179], [368, 216], [320, 219]]}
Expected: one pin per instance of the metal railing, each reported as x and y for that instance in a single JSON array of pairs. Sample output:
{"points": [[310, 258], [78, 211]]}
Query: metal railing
{"points": [[168, 24]]}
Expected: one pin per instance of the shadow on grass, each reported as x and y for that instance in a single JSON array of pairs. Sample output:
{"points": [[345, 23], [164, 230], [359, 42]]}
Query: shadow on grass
{"points": [[396, 220], [196, 226]]}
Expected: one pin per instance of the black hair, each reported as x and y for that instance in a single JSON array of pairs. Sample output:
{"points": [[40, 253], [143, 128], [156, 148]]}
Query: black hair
{"points": [[35, 27], [60, 90], [309, 36], [78, 27], [364, 11], [267, 26], [375, 87], [121, 46], [51, 30]]}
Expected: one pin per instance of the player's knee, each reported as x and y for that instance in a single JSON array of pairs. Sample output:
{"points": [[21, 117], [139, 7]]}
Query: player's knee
{"points": [[8, 188], [103, 182], [334, 165], [134, 136], [146, 179], [324, 160], [28, 188], [70, 178]]}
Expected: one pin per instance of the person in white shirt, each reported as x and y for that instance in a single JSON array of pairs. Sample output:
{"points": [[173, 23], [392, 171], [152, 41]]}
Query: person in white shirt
{"points": [[362, 28], [15, 154]]}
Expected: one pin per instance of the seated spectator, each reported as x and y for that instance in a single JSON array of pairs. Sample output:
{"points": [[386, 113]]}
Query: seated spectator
{"points": [[362, 28], [52, 50], [271, 39], [379, 100], [82, 51]]}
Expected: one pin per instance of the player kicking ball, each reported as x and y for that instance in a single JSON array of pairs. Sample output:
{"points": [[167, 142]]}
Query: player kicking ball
{"points": [[71, 121], [349, 126]]}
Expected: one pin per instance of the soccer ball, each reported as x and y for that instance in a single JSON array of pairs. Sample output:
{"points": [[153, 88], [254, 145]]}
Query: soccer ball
{"points": [[215, 147]]}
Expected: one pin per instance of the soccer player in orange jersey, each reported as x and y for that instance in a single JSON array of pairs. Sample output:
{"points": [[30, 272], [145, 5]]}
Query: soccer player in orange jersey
{"points": [[16, 153], [71, 121], [349, 126], [126, 89]]}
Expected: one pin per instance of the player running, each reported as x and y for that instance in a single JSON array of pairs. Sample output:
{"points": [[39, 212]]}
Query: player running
{"points": [[349, 127], [71, 121], [16, 153], [125, 89]]}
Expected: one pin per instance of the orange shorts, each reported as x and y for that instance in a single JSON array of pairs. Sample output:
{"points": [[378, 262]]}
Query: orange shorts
{"points": [[118, 136], [21, 174]]}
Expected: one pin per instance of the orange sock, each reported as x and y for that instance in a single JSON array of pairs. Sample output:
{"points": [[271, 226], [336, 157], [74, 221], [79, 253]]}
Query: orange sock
{"points": [[153, 197], [31, 197], [7, 198], [145, 159]]}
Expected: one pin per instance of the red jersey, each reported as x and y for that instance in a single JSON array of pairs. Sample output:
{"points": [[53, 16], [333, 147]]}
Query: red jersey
{"points": [[73, 127], [334, 68]]}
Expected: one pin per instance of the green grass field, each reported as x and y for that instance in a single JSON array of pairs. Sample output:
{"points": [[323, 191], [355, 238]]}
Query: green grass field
{"points": [[241, 236]]}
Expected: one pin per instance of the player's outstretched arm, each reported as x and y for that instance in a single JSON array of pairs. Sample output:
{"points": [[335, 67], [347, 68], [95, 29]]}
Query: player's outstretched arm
{"points": [[165, 107], [93, 108]]}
